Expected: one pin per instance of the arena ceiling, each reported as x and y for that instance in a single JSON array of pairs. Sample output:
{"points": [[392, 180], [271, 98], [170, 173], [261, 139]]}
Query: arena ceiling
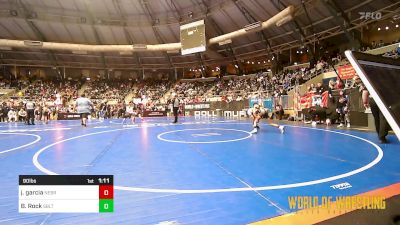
{"points": [[126, 22]]}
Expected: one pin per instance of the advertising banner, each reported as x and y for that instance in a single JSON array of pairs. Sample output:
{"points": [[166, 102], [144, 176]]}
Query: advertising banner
{"points": [[154, 113], [68, 116], [346, 72], [220, 109]]}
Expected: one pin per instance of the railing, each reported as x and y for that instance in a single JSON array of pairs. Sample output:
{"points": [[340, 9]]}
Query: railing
{"points": [[383, 49], [293, 67], [286, 101]]}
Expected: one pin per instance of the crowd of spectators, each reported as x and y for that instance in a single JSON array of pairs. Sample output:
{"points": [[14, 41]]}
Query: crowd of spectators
{"points": [[395, 54], [152, 91], [192, 92], [110, 96], [108, 90], [10, 84], [329, 104], [378, 44], [13, 110], [52, 91], [259, 85], [49, 96]]}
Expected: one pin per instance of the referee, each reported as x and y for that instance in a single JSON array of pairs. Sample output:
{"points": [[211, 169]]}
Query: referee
{"points": [[175, 107], [84, 106], [30, 109]]}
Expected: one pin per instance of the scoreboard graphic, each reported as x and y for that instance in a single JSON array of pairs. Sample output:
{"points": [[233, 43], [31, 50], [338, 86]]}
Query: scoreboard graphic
{"points": [[66, 194], [193, 37]]}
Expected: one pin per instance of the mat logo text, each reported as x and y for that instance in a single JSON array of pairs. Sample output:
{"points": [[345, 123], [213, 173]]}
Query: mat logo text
{"points": [[337, 203], [341, 186]]}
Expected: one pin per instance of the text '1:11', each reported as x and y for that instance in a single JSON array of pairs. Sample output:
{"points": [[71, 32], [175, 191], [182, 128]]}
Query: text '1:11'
{"points": [[104, 180]]}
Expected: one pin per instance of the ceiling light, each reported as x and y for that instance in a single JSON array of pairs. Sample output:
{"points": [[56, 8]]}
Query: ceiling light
{"points": [[252, 26]]}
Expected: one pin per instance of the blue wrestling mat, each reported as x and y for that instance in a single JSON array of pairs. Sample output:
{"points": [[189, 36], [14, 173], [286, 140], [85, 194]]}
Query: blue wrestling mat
{"points": [[199, 171]]}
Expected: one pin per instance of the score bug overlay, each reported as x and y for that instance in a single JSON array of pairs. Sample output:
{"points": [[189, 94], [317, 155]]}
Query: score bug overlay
{"points": [[66, 194]]}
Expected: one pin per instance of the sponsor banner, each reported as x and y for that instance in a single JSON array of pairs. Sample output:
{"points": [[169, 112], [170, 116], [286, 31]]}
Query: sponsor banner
{"points": [[198, 106], [267, 103], [219, 113], [225, 109], [271, 102], [154, 113], [346, 72], [68, 116], [230, 106]]}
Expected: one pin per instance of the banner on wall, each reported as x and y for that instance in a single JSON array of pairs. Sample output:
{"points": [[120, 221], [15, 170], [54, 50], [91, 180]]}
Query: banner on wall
{"points": [[312, 99], [68, 116], [198, 106], [154, 113], [267, 103], [346, 72], [217, 109]]}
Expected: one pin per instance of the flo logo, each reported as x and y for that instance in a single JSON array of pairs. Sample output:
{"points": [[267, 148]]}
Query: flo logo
{"points": [[370, 15]]}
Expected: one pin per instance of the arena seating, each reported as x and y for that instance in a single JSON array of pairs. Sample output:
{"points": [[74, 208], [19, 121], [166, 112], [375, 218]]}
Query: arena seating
{"points": [[155, 94]]}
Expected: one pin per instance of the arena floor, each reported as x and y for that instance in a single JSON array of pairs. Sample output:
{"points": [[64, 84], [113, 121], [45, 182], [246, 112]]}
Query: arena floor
{"points": [[199, 171]]}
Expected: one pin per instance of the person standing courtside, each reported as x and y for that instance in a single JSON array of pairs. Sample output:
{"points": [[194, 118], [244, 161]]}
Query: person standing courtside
{"points": [[83, 106], [382, 127], [175, 107], [30, 110], [2, 118]]}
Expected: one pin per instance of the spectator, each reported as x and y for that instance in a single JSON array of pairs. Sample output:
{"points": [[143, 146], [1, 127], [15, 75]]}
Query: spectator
{"points": [[381, 43], [3, 113], [373, 45], [278, 112], [22, 115], [12, 115], [320, 88], [331, 87], [342, 109], [282, 91]]}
